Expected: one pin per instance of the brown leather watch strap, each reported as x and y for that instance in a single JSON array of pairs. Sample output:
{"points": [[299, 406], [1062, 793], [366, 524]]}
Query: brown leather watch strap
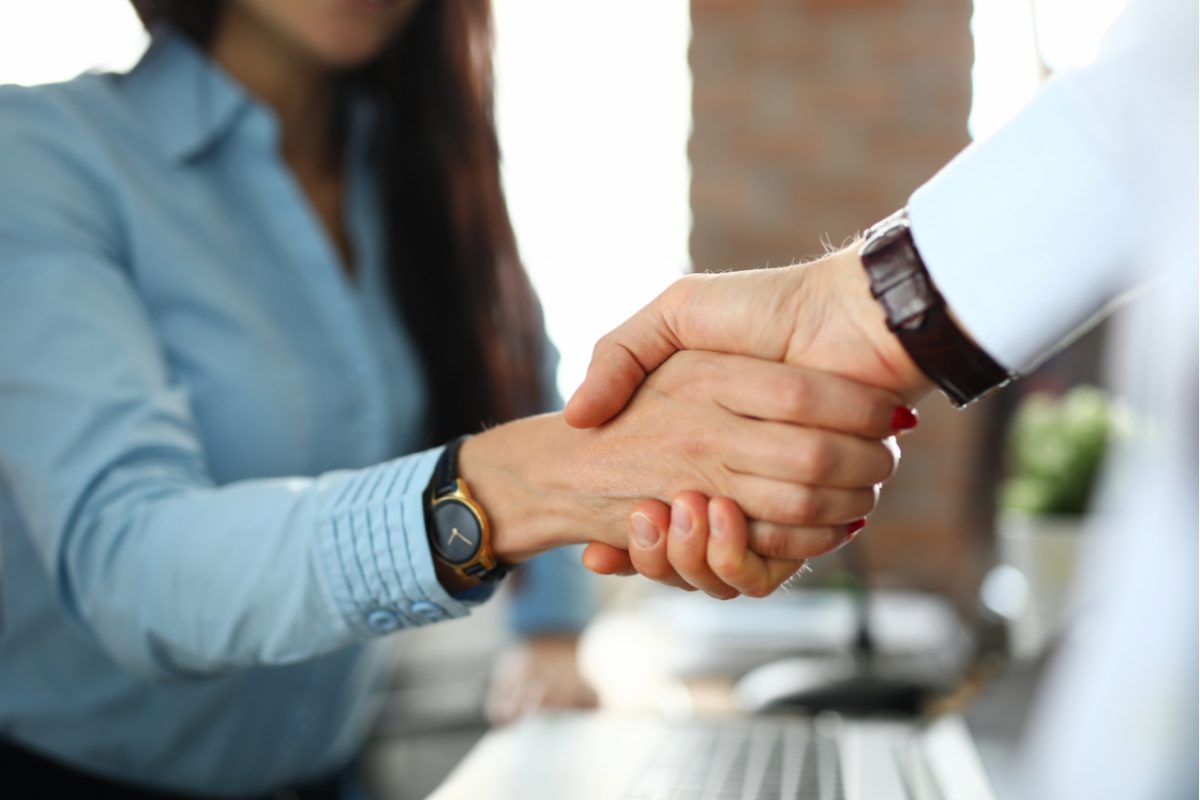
{"points": [[916, 313]]}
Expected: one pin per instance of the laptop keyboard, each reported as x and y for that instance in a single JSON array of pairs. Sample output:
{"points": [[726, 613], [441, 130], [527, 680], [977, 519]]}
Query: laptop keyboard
{"points": [[760, 758]]}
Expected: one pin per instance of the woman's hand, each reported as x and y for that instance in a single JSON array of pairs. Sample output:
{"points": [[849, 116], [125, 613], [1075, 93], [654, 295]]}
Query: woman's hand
{"points": [[700, 544], [539, 673], [725, 426]]}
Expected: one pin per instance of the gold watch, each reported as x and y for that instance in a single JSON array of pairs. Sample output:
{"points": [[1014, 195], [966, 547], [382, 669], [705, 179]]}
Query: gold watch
{"points": [[459, 533]]}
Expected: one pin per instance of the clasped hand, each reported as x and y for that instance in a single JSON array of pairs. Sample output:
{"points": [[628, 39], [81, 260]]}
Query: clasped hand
{"points": [[820, 316], [775, 393], [792, 459]]}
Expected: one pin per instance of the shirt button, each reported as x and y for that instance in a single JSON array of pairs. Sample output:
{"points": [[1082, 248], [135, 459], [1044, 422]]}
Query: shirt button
{"points": [[424, 608], [382, 621]]}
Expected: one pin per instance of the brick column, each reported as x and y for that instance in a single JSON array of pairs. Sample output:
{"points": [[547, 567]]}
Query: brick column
{"points": [[813, 119]]}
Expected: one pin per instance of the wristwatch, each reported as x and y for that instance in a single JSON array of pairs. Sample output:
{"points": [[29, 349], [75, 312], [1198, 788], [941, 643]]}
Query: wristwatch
{"points": [[917, 315], [459, 533]]}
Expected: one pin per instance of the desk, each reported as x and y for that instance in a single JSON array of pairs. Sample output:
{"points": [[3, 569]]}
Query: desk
{"points": [[651, 650]]}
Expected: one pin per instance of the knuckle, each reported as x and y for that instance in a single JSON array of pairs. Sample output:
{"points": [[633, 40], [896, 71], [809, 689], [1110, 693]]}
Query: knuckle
{"points": [[796, 393], [603, 344], [772, 541], [676, 295], [871, 418], [826, 541], [818, 459], [698, 371], [801, 506], [724, 565]]}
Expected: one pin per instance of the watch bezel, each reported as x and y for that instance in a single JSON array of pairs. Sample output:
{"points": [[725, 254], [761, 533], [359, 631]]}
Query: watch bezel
{"points": [[440, 535]]}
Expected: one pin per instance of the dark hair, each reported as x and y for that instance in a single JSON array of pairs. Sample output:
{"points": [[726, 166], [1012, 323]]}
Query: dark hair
{"points": [[455, 274]]}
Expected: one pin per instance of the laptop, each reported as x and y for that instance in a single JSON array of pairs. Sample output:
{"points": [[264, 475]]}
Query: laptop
{"points": [[602, 756]]}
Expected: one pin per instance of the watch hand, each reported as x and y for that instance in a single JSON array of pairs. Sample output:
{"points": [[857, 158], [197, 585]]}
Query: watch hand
{"points": [[455, 532]]}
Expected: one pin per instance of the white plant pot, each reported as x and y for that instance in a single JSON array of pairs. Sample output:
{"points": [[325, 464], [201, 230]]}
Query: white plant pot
{"points": [[1044, 550]]}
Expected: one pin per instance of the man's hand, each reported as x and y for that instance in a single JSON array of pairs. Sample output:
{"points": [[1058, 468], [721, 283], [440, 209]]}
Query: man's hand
{"points": [[701, 544], [819, 315]]}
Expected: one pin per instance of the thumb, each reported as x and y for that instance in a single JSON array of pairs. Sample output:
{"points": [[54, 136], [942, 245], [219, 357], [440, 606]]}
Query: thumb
{"points": [[604, 559], [620, 362]]}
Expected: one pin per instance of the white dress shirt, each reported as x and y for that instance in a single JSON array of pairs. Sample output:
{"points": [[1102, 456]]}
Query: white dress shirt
{"points": [[1086, 200]]}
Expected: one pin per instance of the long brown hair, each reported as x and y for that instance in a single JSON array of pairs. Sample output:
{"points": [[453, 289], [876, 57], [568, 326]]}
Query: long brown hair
{"points": [[455, 274]]}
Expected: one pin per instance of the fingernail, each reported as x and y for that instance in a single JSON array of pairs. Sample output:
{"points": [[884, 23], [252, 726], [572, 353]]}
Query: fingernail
{"points": [[716, 524], [904, 419], [681, 518], [645, 533], [852, 528]]}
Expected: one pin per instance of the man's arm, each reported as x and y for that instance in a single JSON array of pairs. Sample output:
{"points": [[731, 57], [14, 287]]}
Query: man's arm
{"points": [[1029, 235], [820, 315]]}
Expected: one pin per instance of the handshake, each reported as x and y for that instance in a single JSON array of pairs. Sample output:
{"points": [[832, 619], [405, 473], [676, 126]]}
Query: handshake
{"points": [[762, 405]]}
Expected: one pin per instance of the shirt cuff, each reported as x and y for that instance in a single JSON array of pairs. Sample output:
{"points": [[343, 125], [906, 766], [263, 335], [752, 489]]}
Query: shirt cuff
{"points": [[1005, 226], [375, 549]]}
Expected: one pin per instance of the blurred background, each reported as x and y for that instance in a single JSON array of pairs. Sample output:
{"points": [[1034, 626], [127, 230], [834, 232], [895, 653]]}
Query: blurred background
{"points": [[643, 140]]}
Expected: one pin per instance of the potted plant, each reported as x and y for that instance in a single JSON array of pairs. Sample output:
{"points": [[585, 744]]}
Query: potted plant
{"points": [[1055, 449]]}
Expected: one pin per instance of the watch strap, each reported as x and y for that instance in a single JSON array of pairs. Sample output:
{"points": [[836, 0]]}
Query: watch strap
{"points": [[917, 314], [445, 475], [445, 482]]}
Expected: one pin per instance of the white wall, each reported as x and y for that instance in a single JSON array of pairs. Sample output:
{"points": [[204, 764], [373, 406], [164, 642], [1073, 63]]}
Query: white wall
{"points": [[1010, 38], [594, 115], [42, 41]]}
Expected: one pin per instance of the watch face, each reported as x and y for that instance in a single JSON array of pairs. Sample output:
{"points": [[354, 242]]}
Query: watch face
{"points": [[456, 531]]}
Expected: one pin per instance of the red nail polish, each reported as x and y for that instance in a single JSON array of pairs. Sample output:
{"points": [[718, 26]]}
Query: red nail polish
{"points": [[904, 419], [852, 528]]}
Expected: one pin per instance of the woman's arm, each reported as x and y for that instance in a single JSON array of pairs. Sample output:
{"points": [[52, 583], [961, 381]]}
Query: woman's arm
{"points": [[102, 467], [178, 577], [722, 425]]}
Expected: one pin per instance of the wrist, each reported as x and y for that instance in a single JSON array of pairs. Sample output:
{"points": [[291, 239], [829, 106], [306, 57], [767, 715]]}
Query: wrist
{"points": [[856, 341], [918, 315], [509, 471]]}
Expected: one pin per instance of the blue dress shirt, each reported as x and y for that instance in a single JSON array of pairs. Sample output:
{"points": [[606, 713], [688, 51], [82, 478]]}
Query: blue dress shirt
{"points": [[204, 522]]}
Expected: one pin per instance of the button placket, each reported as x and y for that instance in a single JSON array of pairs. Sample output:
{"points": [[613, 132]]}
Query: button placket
{"points": [[308, 250]]}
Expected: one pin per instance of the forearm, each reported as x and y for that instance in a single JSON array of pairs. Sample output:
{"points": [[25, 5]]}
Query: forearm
{"points": [[1051, 242], [537, 494], [181, 579]]}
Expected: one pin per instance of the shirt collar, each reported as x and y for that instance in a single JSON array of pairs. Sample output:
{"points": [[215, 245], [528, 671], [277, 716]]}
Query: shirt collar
{"points": [[188, 102], [191, 104]]}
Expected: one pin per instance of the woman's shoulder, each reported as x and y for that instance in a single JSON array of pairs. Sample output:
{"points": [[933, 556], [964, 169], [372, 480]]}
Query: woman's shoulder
{"points": [[74, 113], [59, 147]]}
